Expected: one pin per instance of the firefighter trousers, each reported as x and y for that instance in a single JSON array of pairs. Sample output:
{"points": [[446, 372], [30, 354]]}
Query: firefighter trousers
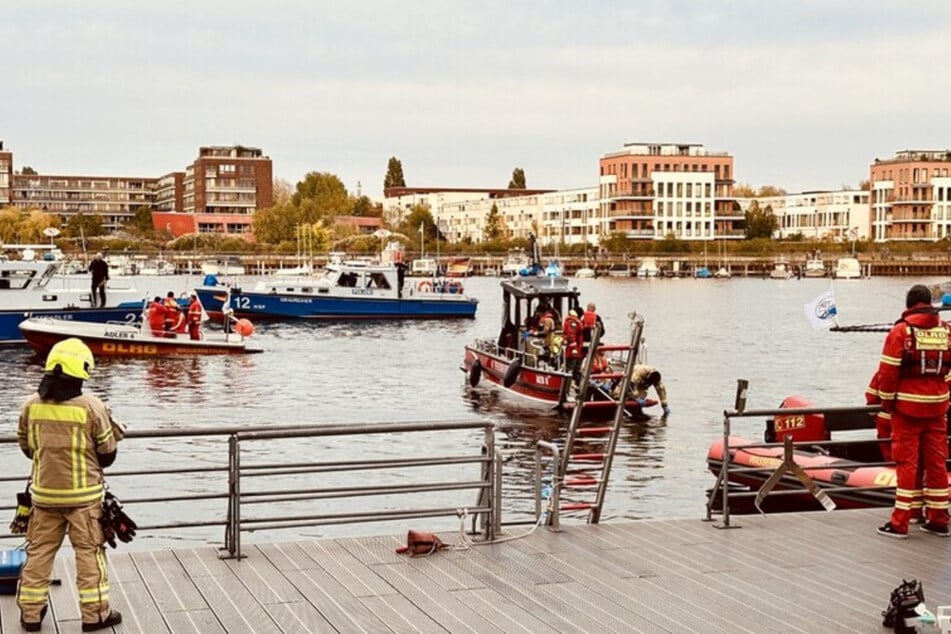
{"points": [[923, 439], [44, 537]]}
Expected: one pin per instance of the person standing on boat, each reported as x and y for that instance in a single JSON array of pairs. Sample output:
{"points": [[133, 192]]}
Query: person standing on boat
{"points": [[99, 269], [589, 320], [173, 315], [912, 383], [573, 333], [157, 317], [644, 377], [194, 318], [69, 437]]}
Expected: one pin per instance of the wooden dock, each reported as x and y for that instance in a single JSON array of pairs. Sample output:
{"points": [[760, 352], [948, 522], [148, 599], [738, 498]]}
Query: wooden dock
{"points": [[808, 572]]}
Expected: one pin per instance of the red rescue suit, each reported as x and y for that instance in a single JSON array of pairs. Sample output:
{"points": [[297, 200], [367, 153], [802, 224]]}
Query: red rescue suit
{"points": [[573, 332], [157, 313], [174, 320], [912, 384], [194, 319]]}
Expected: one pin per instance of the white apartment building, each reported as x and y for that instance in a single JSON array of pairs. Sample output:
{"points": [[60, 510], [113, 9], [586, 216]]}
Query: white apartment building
{"points": [[821, 215], [570, 216]]}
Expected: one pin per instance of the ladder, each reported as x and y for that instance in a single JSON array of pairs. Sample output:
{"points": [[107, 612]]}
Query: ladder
{"points": [[576, 468]]}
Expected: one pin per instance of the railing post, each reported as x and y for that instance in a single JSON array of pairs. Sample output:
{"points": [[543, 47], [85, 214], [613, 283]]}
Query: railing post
{"points": [[233, 523]]}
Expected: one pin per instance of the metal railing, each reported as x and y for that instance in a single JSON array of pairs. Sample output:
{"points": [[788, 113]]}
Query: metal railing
{"points": [[290, 484]]}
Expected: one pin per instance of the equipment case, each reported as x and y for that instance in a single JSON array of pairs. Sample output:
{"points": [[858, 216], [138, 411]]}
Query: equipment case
{"points": [[11, 562]]}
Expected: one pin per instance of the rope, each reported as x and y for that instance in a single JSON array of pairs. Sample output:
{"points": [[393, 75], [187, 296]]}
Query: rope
{"points": [[466, 543], [863, 328]]}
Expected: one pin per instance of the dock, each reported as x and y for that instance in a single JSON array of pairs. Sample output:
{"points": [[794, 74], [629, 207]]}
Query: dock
{"points": [[802, 572]]}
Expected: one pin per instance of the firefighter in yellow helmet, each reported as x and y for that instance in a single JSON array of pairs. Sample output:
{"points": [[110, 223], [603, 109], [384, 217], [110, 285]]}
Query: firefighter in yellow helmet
{"points": [[69, 438]]}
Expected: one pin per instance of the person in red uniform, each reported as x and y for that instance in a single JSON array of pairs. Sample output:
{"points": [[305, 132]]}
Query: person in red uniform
{"points": [[194, 318], [174, 320], [157, 317], [912, 383], [573, 332]]}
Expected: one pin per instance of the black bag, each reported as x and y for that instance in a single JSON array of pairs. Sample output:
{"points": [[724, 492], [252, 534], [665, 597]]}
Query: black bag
{"points": [[901, 607]]}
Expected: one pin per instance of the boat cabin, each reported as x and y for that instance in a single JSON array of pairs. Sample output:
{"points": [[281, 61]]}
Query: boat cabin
{"points": [[524, 299]]}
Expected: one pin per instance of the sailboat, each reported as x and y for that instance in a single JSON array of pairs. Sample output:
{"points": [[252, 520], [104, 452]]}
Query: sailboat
{"points": [[585, 271], [724, 271], [703, 272]]}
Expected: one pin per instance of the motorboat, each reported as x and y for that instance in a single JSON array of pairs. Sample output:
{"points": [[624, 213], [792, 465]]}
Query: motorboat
{"points": [[847, 269], [223, 266], [424, 267], [723, 273], [156, 267], [648, 268], [619, 270], [586, 272], [702, 272], [781, 271], [524, 365], [850, 470], [36, 288], [814, 268], [133, 340], [344, 289], [515, 261]]}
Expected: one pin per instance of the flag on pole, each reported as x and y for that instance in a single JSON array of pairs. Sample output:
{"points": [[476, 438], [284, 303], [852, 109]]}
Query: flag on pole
{"points": [[821, 312]]}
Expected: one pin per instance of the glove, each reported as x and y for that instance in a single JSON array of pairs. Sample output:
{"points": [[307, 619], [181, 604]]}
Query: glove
{"points": [[666, 411], [642, 402], [125, 527], [116, 525], [107, 532], [21, 520]]}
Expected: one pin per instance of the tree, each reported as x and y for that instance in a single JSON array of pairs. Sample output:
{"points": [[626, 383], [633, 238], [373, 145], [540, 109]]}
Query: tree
{"points": [[28, 171], [771, 190], [80, 225], [140, 222], [742, 190], [31, 227], [364, 207], [10, 225], [760, 223], [276, 224], [494, 224], [419, 216], [320, 195], [394, 174], [518, 179], [283, 191]]}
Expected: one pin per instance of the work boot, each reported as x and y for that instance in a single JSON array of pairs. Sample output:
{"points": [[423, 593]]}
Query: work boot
{"points": [[34, 626], [114, 618], [890, 531]]}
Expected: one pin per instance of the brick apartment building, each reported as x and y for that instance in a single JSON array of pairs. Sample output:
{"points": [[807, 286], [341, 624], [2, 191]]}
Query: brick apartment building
{"points": [[650, 190], [911, 196], [217, 193]]}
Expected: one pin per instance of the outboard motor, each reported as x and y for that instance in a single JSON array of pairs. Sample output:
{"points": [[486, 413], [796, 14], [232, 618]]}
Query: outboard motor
{"points": [[800, 427]]}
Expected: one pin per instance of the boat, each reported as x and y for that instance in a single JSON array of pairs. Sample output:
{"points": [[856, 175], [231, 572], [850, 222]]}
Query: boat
{"points": [[814, 268], [424, 267], [723, 273], [517, 362], [586, 272], [132, 340], [781, 271], [458, 267], [648, 268], [847, 269], [702, 272], [304, 269], [36, 288], [156, 267], [619, 270], [223, 266], [344, 289], [515, 261], [851, 472]]}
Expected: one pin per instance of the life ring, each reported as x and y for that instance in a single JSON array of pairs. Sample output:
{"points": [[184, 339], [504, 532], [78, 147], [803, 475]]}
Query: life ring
{"points": [[454, 288], [425, 287], [511, 373], [475, 373]]}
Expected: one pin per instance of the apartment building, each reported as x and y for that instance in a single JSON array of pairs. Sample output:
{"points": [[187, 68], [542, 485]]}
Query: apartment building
{"points": [[651, 190], [571, 216], [217, 193], [911, 196], [820, 215]]}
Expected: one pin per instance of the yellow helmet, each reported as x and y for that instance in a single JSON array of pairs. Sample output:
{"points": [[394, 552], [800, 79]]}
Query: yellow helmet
{"points": [[73, 357]]}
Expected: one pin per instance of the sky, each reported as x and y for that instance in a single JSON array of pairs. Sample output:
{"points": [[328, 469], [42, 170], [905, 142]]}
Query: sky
{"points": [[804, 94]]}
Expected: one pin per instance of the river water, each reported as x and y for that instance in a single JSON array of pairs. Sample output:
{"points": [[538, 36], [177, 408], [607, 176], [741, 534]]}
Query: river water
{"points": [[702, 335]]}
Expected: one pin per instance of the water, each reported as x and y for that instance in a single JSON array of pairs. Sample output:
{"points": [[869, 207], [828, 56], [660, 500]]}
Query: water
{"points": [[702, 335]]}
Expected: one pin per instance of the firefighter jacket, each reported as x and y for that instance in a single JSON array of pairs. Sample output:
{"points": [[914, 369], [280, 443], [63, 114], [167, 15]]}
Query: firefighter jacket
{"points": [[65, 439], [640, 384], [574, 337], [913, 369]]}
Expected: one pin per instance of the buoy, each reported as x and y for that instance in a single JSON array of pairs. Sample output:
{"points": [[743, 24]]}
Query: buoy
{"points": [[454, 287], [511, 374], [244, 327], [425, 287], [475, 373]]}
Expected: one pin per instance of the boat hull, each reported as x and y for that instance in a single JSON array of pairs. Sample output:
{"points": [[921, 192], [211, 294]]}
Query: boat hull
{"points": [[10, 320], [124, 340], [262, 304]]}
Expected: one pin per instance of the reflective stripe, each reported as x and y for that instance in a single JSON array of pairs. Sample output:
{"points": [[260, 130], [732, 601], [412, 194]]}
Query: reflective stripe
{"points": [[903, 506], [29, 594], [907, 493], [890, 360], [76, 414], [936, 492], [59, 497], [920, 398], [104, 436]]}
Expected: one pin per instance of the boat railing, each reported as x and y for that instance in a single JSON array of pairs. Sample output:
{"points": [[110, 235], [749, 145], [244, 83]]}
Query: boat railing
{"points": [[237, 484], [858, 417]]}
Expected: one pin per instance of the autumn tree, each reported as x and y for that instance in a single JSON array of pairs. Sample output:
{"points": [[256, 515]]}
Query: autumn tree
{"points": [[419, 218], [363, 206], [282, 191], [518, 179], [494, 224], [276, 224], [742, 190], [770, 190], [394, 174], [321, 195], [80, 225], [28, 171], [760, 223], [10, 225], [31, 227]]}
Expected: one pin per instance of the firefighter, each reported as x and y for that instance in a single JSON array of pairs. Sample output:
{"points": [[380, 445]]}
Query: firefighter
{"points": [[69, 438], [573, 333], [194, 318], [912, 384], [642, 378]]}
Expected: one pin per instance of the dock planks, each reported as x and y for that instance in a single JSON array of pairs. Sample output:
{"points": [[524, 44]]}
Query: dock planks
{"points": [[806, 572]]}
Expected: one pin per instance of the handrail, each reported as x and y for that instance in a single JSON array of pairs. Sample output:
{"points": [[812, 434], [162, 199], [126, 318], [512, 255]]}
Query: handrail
{"points": [[288, 484]]}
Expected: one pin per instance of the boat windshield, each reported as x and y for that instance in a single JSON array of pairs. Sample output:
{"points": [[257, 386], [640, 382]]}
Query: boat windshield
{"points": [[14, 277]]}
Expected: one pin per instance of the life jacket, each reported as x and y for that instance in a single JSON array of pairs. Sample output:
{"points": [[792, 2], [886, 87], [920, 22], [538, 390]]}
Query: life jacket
{"points": [[194, 312], [589, 319], [926, 351], [157, 312]]}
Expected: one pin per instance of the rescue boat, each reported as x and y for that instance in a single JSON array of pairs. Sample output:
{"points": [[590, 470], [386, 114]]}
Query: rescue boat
{"points": [[851, 471]]}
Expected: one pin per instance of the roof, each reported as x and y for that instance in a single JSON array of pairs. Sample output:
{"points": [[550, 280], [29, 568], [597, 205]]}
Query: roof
{"points": [[527, 286]]}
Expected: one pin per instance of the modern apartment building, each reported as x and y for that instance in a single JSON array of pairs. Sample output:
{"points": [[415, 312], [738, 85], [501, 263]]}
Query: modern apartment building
{"points": [[651, 190], [571, 216], [217, 193], [911, 196], [821, 215]]}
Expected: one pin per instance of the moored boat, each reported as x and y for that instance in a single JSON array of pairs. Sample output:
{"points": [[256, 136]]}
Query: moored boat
{"points": [[648, 268], [847, 269], [345, 290], [814, 268], [130, 340], [37, 288], [781, 270]]}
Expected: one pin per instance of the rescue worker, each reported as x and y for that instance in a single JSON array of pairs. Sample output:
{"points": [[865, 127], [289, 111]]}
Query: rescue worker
{"points": [[642, 378], [194, 318], [173, 315], [573, 339], [913, 387], [589, 319], [157, 312], [69, 438]]}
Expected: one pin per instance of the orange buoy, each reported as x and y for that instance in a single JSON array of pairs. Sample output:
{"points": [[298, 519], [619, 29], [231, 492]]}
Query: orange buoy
{"points": [[244, 327]]}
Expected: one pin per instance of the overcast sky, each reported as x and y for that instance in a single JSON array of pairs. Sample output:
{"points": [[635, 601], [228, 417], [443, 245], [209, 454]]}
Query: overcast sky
{"points": [[804, 94]]}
